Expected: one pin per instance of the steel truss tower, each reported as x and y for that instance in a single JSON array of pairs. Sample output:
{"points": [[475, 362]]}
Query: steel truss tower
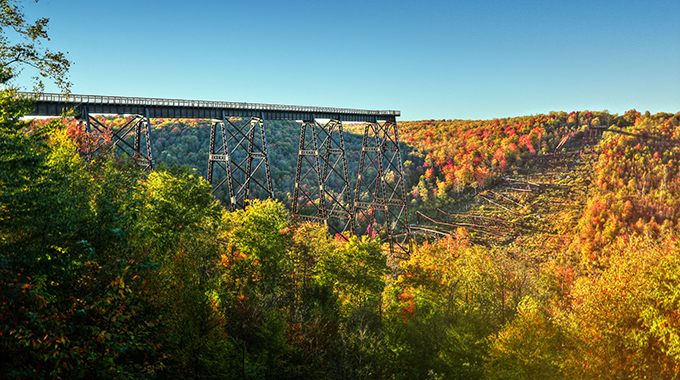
{"points": [[242, 157], [334, 175], [308, 202], [380, 196], [136, 126], [321, 167]]}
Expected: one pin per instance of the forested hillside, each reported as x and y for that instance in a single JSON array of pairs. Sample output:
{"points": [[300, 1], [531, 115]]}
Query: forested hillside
{"points": [[576, 237], [545, 248]]}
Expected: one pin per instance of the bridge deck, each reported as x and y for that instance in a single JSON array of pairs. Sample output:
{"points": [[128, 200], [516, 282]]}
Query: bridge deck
{"points": [[55, 104]]}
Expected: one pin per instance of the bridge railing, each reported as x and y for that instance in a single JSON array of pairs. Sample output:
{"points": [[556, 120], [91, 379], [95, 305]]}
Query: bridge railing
{"points": [[121, 100]]}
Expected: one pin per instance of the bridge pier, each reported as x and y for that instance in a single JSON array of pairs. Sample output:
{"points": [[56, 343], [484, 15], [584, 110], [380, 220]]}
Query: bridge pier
{"points": [[137, 126], [308, 200], [380, 196], [321, 163], [338, 203], [243, 157]]}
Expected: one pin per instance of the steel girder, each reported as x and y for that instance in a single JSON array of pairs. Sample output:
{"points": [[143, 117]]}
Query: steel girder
{"points": [[380, 196], [243, 157], [55, 104], [135, 127]]}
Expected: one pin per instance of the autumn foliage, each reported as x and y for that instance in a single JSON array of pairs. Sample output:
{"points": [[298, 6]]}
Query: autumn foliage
{"points": [[556, 257]]}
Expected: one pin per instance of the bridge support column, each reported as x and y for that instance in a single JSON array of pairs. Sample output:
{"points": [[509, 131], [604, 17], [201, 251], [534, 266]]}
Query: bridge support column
{"points": [[338, 203], [105, 138], [149, 149], [244, 159], [220, 156], [380, 196], [308, 199]]}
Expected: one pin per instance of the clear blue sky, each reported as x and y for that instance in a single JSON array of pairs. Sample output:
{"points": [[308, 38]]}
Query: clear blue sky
{"points": [[455, 59]]}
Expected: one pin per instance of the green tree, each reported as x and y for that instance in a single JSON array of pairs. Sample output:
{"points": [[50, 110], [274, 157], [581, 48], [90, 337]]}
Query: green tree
{"points": [[356, 271], [72, 304], [531, 346], [178, 200], [29, 51], [254, 284], [447, 301], [626, 325]]}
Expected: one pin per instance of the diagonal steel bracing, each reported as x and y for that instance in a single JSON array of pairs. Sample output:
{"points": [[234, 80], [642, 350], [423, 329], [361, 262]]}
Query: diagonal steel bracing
{"points": [[108, 138], [242, 159], [322, 192], [308, 200], [238, 157], [335, 179], [380, 196]]}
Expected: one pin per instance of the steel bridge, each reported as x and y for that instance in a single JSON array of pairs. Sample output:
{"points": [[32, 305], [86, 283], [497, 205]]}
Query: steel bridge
{"points": [[239, 159]]}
